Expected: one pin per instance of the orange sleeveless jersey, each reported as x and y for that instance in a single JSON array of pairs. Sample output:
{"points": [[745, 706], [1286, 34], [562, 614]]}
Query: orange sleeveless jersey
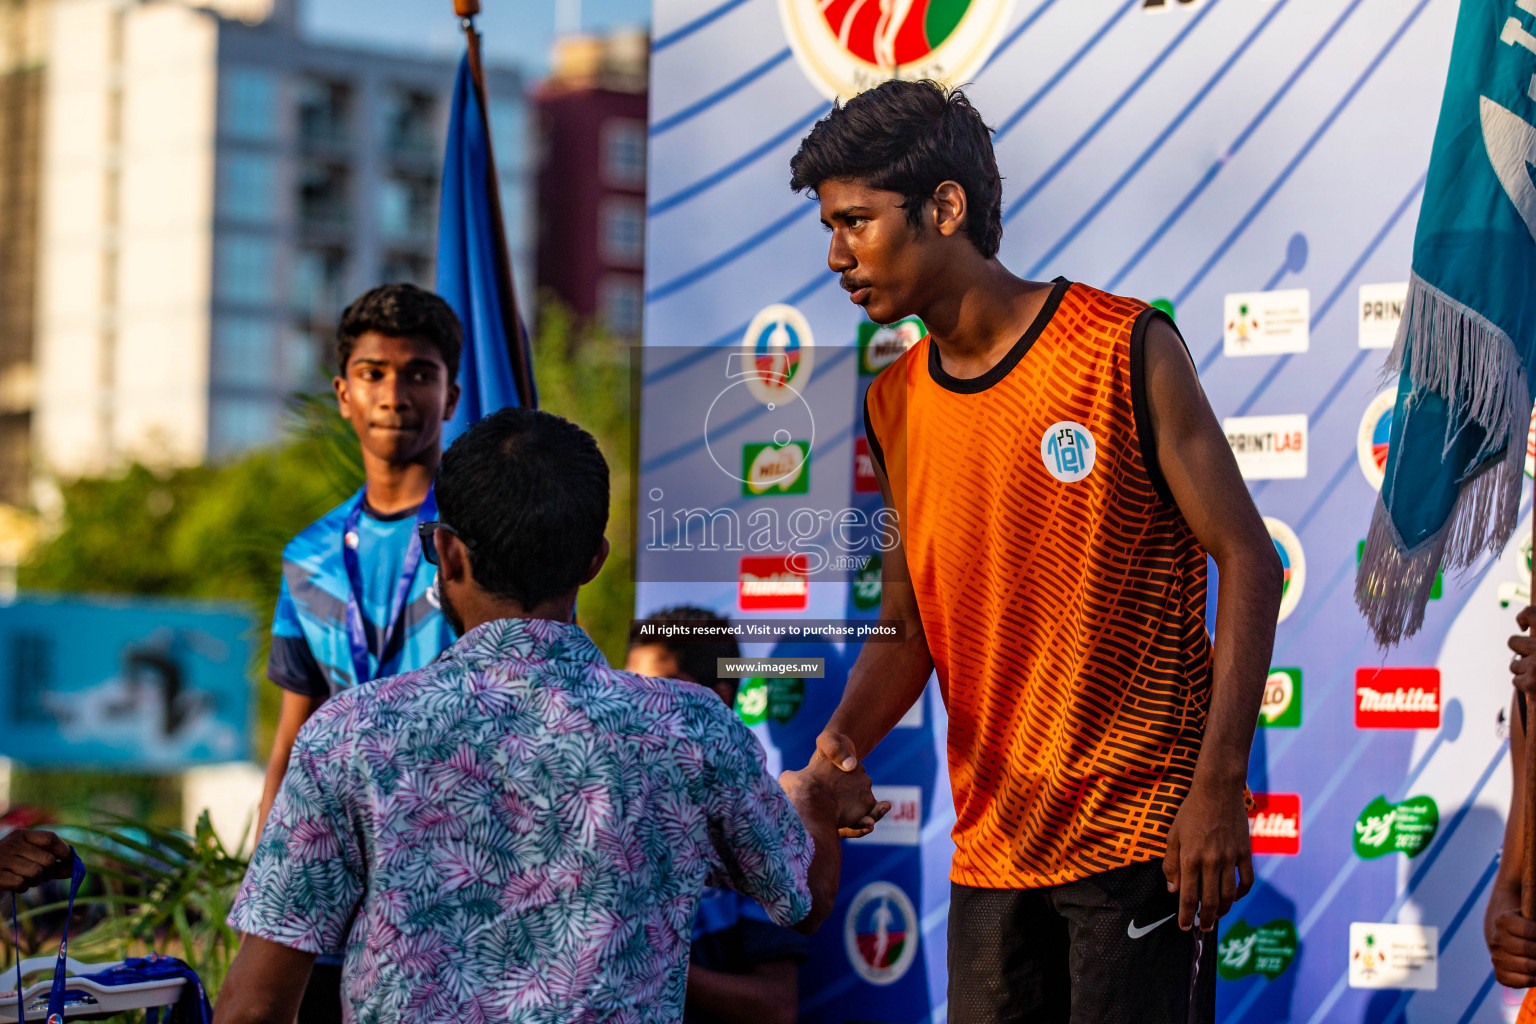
{"points": [[1061, 591]]}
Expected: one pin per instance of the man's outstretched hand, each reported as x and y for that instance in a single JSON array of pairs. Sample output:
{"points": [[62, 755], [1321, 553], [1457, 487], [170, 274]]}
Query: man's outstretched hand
{"points": [[846, 793], [837, 750], [30, 856], [1209, 862]]}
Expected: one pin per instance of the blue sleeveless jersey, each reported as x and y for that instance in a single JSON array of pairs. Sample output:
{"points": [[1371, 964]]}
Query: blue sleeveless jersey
{"points": [[310, 651]]}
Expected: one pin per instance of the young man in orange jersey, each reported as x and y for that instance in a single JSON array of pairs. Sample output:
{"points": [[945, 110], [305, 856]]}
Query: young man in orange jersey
{"points": [[1058, 478]]}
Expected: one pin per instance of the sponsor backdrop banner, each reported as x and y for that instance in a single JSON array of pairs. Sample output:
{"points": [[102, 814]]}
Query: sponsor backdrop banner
{"points": [[1256, 167]]}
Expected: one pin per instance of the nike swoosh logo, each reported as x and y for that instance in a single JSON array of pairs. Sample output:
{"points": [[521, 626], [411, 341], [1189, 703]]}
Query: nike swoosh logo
{"points": [[1137, 933]]}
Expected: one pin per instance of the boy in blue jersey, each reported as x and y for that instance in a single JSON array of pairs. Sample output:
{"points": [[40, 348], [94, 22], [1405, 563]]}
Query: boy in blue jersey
{"points": [[742, 968], [357, 602]]}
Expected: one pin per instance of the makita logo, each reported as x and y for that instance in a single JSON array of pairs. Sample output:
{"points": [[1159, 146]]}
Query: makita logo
{"points": [[1397, 698], [1274, 826], [864, 479], [773, 583]]}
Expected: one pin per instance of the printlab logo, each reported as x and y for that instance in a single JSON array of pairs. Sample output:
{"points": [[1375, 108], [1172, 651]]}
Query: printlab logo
{"points": [[1397, 698], [776, 468], [773, 583], [1293, 563], [1268, 950], [1282, 699], [1406, 828], [847, 46], [880, 345], [1269, 447], [1381, 311], [1274, 824], [1374, 436], [880, 933], [1068, 451], [775, 698]]}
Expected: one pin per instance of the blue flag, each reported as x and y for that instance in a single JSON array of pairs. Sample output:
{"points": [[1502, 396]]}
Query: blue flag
{"points": [[474, 273], [1464, 350]]}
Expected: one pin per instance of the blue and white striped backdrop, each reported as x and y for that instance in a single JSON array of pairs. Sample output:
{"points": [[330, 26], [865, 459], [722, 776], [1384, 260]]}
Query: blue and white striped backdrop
{"points": [[1220, 146]]}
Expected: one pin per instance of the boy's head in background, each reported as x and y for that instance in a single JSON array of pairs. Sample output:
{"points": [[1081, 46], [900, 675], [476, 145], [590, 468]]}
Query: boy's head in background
{"points": [[397, 368], [692, 661]]}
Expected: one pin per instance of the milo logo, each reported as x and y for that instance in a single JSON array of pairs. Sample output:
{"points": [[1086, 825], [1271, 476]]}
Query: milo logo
{"points": [[1244, 950], [881, 345], [1407, 828], [1282, 699], [776, 468]]}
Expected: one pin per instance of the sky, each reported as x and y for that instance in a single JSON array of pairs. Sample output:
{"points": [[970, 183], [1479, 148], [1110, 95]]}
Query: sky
{"points": [[515, 31]]}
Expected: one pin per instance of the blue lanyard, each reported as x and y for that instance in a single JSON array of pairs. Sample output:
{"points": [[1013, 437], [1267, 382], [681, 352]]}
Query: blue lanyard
{"points": [[56, 994], [357, 634]]}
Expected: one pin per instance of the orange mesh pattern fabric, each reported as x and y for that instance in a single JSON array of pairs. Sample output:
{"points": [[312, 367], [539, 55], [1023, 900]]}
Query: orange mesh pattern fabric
{"points": [[1066, 619]]}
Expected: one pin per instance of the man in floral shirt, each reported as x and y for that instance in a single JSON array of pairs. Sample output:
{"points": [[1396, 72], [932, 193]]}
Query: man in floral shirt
{"points": [[519, 832]]}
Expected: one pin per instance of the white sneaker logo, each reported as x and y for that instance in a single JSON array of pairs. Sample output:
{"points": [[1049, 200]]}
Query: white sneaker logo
{"points": [[1137, 933]]}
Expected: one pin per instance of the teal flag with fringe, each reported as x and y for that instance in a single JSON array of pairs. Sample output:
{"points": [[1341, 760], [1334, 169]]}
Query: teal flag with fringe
{"points": [[1468, 335]]}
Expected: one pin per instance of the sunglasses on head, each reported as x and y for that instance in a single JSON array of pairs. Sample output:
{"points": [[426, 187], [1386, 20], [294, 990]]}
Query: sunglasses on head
{"points": [[427, 533]]}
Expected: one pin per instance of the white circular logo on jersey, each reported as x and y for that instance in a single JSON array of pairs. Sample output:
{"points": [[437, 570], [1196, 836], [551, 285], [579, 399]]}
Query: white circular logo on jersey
{"points": [[1293, 564], [880, 933], [779, 353], [847, 46], [1068, 451]]}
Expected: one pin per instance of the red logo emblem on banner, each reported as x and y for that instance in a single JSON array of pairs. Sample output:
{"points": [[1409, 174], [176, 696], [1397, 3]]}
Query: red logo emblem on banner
{"points": [[773, 583], [1274, 824], [1397, 698], [864, 481]]}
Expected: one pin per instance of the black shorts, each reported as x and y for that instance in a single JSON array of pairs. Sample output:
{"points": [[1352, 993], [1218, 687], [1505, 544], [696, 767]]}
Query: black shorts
{"points": [[1103, 950]]}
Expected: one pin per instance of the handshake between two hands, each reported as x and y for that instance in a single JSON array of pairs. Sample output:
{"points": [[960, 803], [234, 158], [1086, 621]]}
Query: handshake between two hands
{"points": [[835, 784]]}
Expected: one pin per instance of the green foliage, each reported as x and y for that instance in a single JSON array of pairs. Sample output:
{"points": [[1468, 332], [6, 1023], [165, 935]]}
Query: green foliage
{"points": [[584, 376], [213, 531], [218, 530]]}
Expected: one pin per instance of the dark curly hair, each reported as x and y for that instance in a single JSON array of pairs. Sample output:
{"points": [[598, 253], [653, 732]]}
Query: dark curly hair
{"points": [[401, 311], [909, 137], [527, 492], [696, 658]]}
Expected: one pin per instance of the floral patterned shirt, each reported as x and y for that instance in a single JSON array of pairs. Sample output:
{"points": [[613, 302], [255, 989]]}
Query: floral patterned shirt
{"points": [[518, 832]]}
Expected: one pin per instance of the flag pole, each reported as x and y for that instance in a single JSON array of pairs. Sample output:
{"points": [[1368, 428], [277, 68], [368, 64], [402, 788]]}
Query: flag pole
{"points": [[516, 341], [1528, 839]]}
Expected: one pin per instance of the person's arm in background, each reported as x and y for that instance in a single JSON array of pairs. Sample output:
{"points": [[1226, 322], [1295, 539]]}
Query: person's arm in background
{"points": [[1209, 842], [770, 994], [291, 907], [297, 707], [828, 800], [30, 856], [1511, 938], [292, 666], [265, 984], [888, 677]]}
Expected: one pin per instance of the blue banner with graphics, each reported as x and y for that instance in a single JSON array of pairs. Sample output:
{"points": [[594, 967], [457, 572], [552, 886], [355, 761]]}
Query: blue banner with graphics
{"points": [[140, 684], [1256, 168]]}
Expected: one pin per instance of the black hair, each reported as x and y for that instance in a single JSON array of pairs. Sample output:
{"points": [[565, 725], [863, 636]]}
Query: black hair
{"points": [[695, 657], [527, 492], [401, 311], [909, 137]]}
